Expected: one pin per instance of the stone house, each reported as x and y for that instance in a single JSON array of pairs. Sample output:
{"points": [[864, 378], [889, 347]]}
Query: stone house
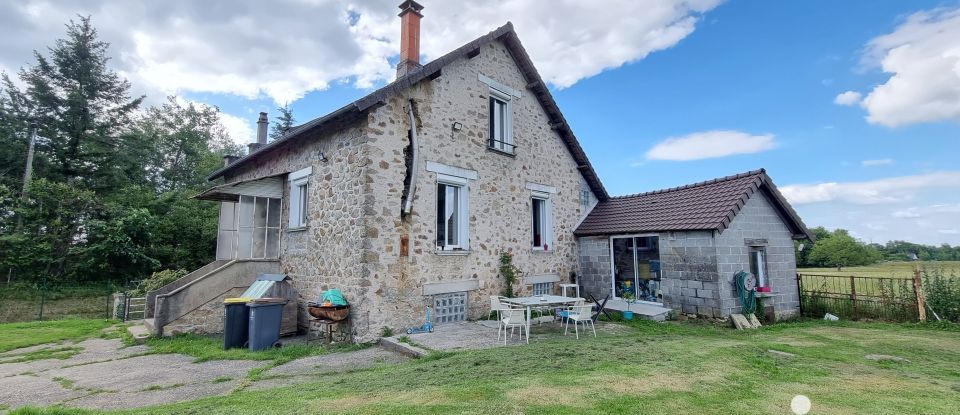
{"points": [[404, 198], [681, 247]]}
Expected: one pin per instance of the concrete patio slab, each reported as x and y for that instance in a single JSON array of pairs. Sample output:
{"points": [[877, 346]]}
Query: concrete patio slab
{"points": [[482, 334]]}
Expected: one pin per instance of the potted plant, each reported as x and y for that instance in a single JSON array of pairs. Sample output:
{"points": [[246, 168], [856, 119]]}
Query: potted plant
{"points": [[630, 298]]}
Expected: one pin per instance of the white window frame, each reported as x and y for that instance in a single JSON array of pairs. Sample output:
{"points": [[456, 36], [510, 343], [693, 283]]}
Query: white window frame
{"points": [[546, 221], [759, 254], [463, 212], [505, 143], [299, 181]]}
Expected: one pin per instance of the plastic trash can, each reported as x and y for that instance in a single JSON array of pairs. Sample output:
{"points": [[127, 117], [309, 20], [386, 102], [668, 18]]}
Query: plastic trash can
{"points": [[235, 322], [265, 317]]}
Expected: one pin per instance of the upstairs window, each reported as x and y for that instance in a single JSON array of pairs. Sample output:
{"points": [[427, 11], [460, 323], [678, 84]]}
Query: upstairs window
{"points": [[452, 205], [501, 122]]}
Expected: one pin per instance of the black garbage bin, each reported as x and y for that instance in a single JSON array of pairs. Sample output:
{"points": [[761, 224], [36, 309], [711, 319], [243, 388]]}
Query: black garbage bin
{"points": [[235, 322], [265, 317]]}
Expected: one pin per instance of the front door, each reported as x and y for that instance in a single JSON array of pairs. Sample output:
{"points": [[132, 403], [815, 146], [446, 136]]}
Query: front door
{"points": [[636, 267]]}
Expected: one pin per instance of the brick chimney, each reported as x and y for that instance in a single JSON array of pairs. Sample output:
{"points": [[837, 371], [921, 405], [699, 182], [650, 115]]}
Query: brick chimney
{"points": [[409, 37]]}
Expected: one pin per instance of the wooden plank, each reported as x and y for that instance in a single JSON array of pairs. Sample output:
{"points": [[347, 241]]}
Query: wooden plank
{"points": [[921, 300]]}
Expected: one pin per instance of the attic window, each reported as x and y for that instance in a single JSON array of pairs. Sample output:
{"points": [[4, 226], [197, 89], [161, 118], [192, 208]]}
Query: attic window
{"points": [[501, 122]]}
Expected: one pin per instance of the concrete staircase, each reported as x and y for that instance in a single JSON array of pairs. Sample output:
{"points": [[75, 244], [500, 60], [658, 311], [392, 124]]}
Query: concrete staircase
{"points": [[200, 287]]}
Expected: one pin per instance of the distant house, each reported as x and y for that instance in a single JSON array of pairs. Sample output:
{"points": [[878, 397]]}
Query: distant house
{"points": [[406, 198]]}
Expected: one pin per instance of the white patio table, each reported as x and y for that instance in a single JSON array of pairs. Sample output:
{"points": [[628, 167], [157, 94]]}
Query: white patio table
{"points": [[538, 301]]}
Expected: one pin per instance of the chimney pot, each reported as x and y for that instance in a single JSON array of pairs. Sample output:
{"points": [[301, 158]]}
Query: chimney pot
{"points": [[229, 159], [409, 37], [262, 123]]}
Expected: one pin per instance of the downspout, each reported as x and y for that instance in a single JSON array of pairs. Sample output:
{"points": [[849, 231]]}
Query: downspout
{"points": [[415, 165]]}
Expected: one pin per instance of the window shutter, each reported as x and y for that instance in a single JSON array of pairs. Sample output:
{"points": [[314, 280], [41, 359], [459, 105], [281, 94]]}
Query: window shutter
{"points": [[548, 225], [465, 217]]}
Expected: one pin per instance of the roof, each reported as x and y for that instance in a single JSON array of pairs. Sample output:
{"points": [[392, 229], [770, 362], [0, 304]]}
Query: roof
{"points": [[709, 205], [430, 71]]}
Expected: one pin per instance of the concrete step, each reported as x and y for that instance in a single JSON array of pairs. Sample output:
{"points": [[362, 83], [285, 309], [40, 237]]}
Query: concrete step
{"points": [[394, 344], [139, 332]]}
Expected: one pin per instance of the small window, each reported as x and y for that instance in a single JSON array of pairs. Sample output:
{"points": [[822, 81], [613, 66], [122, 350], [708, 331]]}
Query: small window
{"points": [[451, 216], [501, 120], [299, 198], [758, 265], [541, 222], [543, 288]]}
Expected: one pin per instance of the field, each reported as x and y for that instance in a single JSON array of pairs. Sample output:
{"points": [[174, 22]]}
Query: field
{"points": [[22, 302], [889, 269], [668, 368]]}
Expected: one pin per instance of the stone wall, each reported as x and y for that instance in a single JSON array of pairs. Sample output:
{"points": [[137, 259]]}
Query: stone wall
{"points": [[206, 319], [499, 201], [758, 223], [327, 253]]}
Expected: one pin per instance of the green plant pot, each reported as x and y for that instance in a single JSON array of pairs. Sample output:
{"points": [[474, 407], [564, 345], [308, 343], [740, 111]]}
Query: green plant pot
{"points": [[628, 315]]}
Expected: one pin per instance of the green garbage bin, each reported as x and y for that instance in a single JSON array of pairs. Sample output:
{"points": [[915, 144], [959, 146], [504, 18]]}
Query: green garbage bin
{"points": [[235, 322], [265, 317]]}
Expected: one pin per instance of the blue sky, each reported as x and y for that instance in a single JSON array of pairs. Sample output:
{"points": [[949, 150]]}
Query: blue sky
{"points": [[676, 91]]}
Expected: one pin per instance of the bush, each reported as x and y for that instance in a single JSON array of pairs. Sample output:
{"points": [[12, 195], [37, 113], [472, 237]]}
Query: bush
{"points": [[943, 294], [157, 279]]}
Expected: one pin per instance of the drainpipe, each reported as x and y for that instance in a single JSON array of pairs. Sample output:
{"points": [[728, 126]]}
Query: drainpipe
{"points": [[415, 165]]}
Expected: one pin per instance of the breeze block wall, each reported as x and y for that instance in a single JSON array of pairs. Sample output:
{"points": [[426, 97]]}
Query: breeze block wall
{"points": [[759, 224]]}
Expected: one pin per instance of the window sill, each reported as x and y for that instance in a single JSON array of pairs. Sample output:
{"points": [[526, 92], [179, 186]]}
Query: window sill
{"points": [[453, 253], [298, 229], [502, 152], [540, 250]]}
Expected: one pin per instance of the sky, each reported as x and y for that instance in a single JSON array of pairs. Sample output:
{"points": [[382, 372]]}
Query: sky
{"points": [[853, 107]]}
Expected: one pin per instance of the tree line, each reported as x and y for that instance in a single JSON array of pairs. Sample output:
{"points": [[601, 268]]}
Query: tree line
{"points": [[839, 249], [112, 180]]}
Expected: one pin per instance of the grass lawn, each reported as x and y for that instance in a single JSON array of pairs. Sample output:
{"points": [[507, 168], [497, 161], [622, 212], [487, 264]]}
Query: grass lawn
{"points": [[672, 368], [893, 269], [17, 335]]}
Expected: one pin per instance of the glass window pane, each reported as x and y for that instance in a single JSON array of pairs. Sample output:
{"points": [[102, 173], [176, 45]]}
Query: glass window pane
{"points": [[453, 212], [226, 244], [259, 242], [441, 216], [228, 216], [245, 216], [260, 213], [273, 243], [304, 203], [537, 222], [244, 241], [624, 267], [273, 214]]}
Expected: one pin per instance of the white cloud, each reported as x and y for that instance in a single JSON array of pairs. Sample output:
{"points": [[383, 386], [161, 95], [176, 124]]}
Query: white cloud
{"points": [[876, 162], [710, 144], [889, 190], [906, 213], [284, 49], [848, 98], [948, 231], [241, 130], [923, 57]]}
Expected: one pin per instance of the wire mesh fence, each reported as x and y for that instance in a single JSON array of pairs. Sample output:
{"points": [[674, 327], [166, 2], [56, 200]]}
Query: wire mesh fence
{"points": [[53, 301], [859, 297]]}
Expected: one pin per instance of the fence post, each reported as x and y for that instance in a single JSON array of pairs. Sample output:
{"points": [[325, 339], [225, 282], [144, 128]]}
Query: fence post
{"points": [[853, 295], [43, 296], [921, 300], [800, 293]]}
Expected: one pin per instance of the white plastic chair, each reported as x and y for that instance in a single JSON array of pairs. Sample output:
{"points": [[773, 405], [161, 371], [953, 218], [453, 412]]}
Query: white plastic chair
{"points": [[580, 314], [513, 318], [497, 306]]}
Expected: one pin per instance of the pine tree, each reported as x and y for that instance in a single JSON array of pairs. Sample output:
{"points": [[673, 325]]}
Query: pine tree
{"points": [[284, 121], [80, 106]]}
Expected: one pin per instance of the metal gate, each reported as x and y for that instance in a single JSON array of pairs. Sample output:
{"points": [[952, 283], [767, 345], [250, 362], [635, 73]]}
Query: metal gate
{"points": [[135, 308], [450, 307]]}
